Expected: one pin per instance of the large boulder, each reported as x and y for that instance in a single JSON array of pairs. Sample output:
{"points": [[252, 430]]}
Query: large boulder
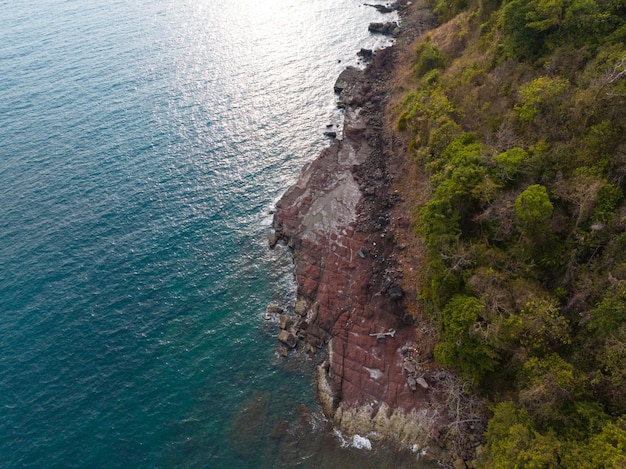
{"points": [[389, 28], [285, 321], [288, 338], [273, 308], [347, 79]]}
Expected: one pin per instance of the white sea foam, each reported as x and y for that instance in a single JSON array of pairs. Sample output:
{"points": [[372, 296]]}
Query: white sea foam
{"points": [[360, 442], [340, 436], [357, 441]]}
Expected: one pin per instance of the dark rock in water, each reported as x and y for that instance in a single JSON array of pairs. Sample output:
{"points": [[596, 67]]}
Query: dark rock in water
{"points": [[381, 8], [249, 422], [280, 430], [387, 29], [346, 79], [365, 53], [273, 240], [330, 134], [376, 28], [346, 85]]}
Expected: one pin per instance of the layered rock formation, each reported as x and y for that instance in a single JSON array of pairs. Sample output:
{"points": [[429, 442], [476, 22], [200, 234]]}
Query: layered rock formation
{"points": [[377, 376]]}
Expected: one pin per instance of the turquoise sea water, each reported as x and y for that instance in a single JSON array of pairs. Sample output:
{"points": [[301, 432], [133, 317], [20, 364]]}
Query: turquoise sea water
{"points": [[142, 145]]}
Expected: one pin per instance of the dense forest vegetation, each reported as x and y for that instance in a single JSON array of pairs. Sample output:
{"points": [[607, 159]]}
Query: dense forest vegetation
{"points": [[517, 118]]}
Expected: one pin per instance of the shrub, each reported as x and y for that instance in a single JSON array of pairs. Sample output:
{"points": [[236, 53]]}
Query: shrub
{"points": [[510, 162], [459, 346], [513, 441], [533, 208], [428, 58], [542, 95]]}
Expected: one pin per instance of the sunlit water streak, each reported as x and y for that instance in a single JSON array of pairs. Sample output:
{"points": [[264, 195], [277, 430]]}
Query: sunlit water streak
{"points": [[142, 144]]}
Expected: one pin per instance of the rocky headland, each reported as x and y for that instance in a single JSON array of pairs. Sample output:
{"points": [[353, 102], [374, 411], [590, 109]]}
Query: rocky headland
{"points": [[347, 221]]}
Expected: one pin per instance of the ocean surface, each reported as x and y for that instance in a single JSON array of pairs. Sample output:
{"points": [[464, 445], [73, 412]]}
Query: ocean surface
{"points": [[143, 144]]}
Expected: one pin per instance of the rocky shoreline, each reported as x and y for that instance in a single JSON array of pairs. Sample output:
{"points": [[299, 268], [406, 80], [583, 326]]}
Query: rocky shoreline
{"points": [[343, 220]]}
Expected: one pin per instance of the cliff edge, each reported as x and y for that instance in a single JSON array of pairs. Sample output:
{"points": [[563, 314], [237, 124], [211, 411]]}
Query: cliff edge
{"points": [[344, 221]]}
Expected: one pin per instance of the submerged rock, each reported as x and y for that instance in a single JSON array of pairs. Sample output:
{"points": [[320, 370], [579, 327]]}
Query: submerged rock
{"points": [[249, 422]]}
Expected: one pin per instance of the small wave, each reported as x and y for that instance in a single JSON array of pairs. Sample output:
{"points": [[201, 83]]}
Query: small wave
{"points": [[417, 450], [360, 442], [343, 442], [357, 441]]}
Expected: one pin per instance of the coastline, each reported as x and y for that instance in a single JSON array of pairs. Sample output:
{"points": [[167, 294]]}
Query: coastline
{"points": [[355, 313]]}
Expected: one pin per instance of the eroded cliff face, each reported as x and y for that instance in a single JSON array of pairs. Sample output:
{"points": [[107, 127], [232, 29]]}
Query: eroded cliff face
{"points": [[341, 220], [349, 302]]}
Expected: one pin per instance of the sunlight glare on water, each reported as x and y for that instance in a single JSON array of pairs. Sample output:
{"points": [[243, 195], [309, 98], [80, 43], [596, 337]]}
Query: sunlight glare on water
{"points": [[143, 144]]}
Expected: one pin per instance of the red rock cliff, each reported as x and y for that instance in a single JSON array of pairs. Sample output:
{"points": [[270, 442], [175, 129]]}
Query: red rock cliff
{"points": [[378, 375]]}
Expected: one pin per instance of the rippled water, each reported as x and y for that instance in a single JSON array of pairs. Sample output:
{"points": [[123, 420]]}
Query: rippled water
{"points": [[142, 144]]}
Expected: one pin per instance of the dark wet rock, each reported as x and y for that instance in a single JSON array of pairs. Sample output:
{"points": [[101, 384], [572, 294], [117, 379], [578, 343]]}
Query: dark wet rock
{"points": [[273, 239], [248, 424], [346, 79], [302, 324], [280, 430], [349, 88], [389, 28], [412, 382], [362, 252], [330, 134], [365, 53], [382, 8]]}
